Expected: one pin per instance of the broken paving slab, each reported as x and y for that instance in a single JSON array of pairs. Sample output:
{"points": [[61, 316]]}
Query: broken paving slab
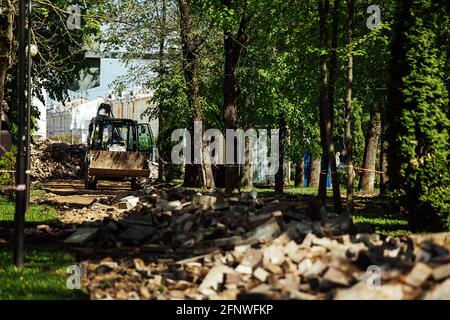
{"points": [[81, 236]]}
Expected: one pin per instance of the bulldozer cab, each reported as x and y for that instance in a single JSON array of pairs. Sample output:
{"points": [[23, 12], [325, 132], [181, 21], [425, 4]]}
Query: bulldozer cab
{"points": [[118, 148], [114, 135]]}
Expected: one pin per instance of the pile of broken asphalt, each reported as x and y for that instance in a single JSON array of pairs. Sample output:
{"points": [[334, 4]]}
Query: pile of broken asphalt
{"points": [[199, 246]]}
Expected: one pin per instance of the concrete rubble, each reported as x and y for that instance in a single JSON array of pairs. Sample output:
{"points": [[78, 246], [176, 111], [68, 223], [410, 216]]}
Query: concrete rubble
{"points": [[195, 246], [56, 160]]}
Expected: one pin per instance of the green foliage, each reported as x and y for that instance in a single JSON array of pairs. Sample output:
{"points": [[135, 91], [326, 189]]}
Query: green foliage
{"points": [[7, 163], [418, 114], [170, 97], [61, 51]]}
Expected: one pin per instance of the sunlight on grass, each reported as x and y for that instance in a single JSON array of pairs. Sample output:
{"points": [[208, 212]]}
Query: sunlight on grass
{"points": [[44, 275], [36, 214]]}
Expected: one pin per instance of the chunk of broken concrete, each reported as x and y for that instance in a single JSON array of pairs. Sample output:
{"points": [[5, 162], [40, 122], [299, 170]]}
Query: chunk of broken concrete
{"points": [[203, 201], [335, 276], [274, 254], [261, 274], [128, 203], [243, 269], [418, 275], [265, 232], [252, 258], [215, 277], [441, 272]]}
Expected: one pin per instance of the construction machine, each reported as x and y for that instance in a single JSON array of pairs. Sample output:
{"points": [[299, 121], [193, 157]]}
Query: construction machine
{"points": [[118, 149]]}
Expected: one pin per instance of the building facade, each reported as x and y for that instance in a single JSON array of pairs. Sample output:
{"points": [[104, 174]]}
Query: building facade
{"points": [[71, 119]]}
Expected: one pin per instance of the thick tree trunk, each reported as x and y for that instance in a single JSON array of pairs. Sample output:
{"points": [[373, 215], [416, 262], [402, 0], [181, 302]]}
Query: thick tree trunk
{"points": [[195, 174], [327, 103], [329, 128], [347, 112], [324, 6], [3, 71], [6, 42], [299, 174], [367, 181], [233, 46], [314, 173], [161, 71]]}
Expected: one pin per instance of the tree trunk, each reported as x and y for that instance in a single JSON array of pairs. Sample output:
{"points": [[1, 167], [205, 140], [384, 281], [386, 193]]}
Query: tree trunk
{"points": [[6, 42], [233, 46], [314, 173], [195, 174], [324, 6], [347, 112], [161, 71], [384, 146], [247, 168], [299, 174], [384, 179], [329, 127], [367, 180], [327, 103], [279, 176]]}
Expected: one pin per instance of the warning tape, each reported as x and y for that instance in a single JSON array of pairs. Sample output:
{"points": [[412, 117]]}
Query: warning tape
{"points": [[21, 187], [354, 168]]}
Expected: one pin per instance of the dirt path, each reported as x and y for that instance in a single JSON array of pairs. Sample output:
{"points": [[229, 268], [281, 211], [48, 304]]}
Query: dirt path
{"points": [[71, 194]]}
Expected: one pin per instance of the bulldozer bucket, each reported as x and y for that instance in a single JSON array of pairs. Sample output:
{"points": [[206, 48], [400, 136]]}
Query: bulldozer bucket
{"points": [[119, 164]]}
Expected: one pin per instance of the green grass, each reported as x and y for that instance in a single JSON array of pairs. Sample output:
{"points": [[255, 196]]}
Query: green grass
{"points": [[389, 224], [41, 214], [43, 278]]}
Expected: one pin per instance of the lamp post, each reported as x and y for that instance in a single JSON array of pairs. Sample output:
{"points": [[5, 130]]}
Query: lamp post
{"points": [[19, 216]]}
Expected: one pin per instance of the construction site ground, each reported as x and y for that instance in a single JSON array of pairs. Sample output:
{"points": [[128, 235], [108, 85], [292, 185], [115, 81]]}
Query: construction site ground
{"points": [[166, 242]]}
